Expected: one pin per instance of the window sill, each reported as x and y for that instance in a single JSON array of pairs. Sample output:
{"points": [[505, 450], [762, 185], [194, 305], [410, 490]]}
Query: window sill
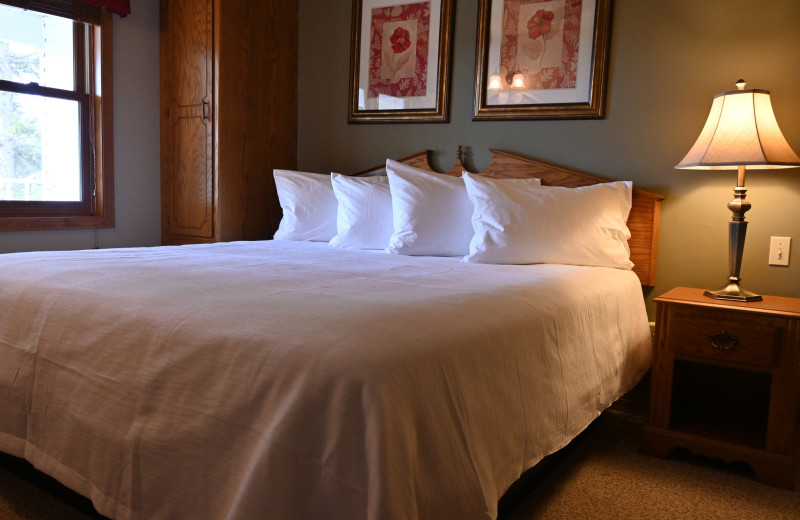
{"points": [[55, 222]]}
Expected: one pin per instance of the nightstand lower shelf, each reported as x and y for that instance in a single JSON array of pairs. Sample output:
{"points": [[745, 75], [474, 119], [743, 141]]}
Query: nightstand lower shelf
{"points": [[770, 468]]}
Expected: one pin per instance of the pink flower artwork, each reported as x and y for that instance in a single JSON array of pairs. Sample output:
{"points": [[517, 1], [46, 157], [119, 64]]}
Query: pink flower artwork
{"points": [[398, 52], [541, 38]]}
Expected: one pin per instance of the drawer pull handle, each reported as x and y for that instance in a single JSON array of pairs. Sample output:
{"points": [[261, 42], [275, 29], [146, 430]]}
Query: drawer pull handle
{"points": [[723, 341]]}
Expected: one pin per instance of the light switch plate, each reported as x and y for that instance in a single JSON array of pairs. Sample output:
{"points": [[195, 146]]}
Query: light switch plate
{"points": [[779, 248]]}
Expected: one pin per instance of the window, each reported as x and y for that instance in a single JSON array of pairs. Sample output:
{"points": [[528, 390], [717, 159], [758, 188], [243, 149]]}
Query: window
{"points": [[56, 141]]}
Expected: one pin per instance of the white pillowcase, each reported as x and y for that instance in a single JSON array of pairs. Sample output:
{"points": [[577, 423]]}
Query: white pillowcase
{"points": [[431, 212], [309, 206], [517, 224], [364, 216]]}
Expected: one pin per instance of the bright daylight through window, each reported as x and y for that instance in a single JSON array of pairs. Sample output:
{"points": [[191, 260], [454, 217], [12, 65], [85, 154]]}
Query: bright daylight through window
{"points": [[40, 159], [55, 154]]}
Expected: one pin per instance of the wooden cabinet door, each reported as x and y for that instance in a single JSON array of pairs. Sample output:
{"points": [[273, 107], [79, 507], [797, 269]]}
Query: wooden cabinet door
{"points": [[187, 124]]}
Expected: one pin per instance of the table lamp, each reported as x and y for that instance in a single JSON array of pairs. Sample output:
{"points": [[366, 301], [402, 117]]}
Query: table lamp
{"points": [[741, 131]]}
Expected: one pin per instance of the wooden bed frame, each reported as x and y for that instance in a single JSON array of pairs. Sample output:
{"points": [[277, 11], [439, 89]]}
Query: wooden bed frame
{"points": [[643, 219]]}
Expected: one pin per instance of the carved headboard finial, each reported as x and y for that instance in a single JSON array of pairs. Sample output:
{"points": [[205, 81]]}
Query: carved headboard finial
{"points": [[458, 167]]}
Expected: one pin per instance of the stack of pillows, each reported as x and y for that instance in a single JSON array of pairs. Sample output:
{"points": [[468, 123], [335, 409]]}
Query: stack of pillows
{"points": [[410, 211]]}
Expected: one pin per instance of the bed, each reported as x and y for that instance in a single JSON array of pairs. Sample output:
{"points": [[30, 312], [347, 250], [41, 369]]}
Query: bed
{"points": [[288, 379]]}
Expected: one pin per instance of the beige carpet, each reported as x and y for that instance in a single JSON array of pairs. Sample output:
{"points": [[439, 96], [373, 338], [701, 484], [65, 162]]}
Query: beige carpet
{"points": [[603, 477], [606, 478]]}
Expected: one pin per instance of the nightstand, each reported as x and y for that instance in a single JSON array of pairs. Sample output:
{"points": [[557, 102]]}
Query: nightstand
{"points": [[725, 381]]}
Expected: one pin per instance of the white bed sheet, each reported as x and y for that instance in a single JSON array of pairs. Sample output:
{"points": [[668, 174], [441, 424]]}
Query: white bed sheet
{"points": [[289, 380]]}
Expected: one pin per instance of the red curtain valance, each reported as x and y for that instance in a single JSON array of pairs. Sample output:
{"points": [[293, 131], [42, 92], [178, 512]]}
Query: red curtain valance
{"points": [[121, 7]]}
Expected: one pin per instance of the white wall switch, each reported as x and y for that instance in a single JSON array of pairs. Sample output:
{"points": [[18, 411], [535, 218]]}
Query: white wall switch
{"points": [[779, 250]]}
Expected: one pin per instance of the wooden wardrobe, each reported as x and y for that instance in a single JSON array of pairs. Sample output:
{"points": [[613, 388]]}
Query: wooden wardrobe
{"points": [[228, 116]]}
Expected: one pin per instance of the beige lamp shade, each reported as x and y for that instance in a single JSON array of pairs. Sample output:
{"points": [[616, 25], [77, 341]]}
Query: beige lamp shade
{"points": [[741, 130]]}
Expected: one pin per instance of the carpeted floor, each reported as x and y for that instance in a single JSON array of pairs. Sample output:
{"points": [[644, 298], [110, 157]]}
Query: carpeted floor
{"points": [[602, 477], [605, 478]]}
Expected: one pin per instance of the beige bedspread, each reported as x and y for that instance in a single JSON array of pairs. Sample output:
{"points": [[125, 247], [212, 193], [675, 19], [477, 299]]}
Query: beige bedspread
{"points": [[287, 380]]}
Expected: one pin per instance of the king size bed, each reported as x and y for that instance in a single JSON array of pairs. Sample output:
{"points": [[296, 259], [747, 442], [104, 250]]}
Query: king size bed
{"points": [[290, 379]]}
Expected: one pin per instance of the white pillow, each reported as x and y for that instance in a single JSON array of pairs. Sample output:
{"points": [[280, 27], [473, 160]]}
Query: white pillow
{"points": [[431, 212], [309, 206], [364, 218], [517, 224]]}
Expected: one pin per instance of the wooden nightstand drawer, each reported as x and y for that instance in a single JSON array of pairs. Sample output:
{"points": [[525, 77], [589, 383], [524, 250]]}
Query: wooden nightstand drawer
{"points": [[735, 337]]}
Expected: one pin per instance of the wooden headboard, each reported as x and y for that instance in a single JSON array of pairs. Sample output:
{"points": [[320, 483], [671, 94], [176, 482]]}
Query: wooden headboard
{"points": [[642, 221]]}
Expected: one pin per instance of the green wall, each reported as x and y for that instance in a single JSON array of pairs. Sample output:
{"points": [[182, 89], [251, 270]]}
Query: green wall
{"points": [[668, 59]]}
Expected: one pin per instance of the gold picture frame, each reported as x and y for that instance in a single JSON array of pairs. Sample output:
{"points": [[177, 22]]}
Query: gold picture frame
{"points": [[542, 59], [400, 61]]}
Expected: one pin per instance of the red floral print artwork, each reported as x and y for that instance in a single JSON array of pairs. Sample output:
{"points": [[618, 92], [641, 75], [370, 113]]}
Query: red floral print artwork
{"points": [[401, 40], [540, 23], [398, 50], [548, 26]]}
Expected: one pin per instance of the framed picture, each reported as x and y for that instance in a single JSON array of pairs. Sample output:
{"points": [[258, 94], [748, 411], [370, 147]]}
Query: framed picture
{"points": [[400, 61], [542, 59]]}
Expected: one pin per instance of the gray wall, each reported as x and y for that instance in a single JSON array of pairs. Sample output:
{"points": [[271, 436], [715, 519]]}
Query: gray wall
{"points": [[137, 190], [668, 59]]}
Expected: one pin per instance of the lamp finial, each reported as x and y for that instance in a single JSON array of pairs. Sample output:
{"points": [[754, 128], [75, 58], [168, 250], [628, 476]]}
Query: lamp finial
{"points": [[741, 84]]}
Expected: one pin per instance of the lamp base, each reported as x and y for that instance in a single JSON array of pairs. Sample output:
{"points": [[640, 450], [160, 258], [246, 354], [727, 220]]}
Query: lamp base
{"points": [[733, 292]]}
